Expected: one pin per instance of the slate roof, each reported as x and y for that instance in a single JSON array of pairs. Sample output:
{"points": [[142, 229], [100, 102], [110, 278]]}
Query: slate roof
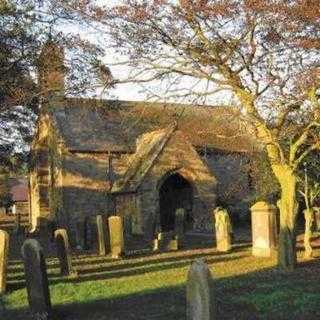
{"points": [[107, 125]]}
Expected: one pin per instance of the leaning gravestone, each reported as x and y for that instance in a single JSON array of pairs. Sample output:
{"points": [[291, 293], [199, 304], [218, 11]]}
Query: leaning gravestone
{"points": [[4, 250], [223, 229], [36, 279], [101, 234], [200, 306], [63, 252], [116, 236], [264, 229]]}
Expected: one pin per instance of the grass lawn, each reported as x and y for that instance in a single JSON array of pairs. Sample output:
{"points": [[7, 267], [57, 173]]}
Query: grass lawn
{"points": [[153, 287]]}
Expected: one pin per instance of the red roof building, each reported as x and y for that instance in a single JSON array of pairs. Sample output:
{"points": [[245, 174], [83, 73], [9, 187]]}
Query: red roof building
{"points": [[19, 190]]}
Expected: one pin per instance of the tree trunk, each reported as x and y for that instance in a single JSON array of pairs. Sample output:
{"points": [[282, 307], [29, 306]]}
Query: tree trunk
{"points": [[287, 256], [308, 217]]}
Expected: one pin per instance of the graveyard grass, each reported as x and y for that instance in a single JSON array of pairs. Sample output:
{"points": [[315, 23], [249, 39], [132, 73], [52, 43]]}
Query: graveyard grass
{"points": [[153, 287]]}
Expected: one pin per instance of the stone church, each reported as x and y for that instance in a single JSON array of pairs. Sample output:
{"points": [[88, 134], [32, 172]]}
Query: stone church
{"points": [[140, 160]]}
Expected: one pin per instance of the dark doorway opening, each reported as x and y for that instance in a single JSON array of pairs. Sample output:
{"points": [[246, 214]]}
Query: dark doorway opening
{"points": [[175, 192]]}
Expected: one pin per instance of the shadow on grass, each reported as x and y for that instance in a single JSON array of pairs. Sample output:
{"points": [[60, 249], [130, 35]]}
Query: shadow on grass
{"points": [[114, 267], [124, 269], [162, 304], [264, 294], [159, 259]]}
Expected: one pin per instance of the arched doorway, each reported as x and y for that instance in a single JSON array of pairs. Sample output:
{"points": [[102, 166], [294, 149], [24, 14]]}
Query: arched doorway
{"points": [[175, 192]]}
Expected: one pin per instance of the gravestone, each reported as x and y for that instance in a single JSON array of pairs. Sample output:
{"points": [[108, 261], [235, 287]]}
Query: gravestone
{"points": [[36, 280], [101, 235], [200, 305], [166, 241], [179, 225], [316, 211], [116, 236], [223, 229], [63, 252], [264, 229], [4, 251], [155, 244]]}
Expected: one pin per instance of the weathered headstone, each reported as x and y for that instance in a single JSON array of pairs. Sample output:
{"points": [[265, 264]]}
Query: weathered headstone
{"points": [[316, 211], [101, 234], [116, 236], [4, 250], [36, 279], [63, 252], [174, 244], [200, 305], [155, 244], [264, 229], [166, 241], [223, 229]]}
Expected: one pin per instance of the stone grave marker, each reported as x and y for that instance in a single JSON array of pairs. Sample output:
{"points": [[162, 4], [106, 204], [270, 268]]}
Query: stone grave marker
{"points": [[223, 229], [116, 236], [200, 305], [174, 244], [101, 235], [166, 241], [155, 244], [36, 280], [316, 211], [264, 229], [4, 251], [63, 252]]}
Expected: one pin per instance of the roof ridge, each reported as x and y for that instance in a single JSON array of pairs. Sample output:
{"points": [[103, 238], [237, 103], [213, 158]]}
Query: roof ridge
{"points": [[83, 125]]}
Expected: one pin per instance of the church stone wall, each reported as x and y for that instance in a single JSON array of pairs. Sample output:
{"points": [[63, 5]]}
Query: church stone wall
{"points": [[84, 186], [232, 171]]}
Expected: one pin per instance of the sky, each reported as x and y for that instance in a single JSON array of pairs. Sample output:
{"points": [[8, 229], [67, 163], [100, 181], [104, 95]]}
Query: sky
{"points": [[134, 92]]}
